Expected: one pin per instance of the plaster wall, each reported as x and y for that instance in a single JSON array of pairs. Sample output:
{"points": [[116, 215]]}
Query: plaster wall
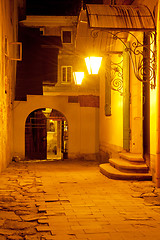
{"points": [[89, 130], [153, 108], [82, 124], [8, 33], [111, 127], [153, 131], [136, 114], [152, 5], [153, 96], [136, 118]]}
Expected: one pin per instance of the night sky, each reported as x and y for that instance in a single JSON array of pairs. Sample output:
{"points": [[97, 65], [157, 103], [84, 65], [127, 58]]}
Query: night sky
{"points": [[56, 7]]}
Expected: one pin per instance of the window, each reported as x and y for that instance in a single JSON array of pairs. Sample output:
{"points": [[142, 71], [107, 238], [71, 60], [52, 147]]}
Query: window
{"points": [[6, 46], [66, 37], [66, 74]]}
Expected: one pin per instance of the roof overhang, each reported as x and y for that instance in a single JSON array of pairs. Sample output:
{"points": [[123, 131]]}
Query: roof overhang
{"points": [[99, 22], [120, 17], [106, 29]]}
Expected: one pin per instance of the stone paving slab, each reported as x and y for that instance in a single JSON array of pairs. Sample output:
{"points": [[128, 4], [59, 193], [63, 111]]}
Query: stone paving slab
{"points": [[71, 199]]}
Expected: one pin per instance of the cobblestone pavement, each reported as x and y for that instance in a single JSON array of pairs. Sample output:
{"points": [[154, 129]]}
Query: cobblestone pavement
{"points": [[64, 200]]}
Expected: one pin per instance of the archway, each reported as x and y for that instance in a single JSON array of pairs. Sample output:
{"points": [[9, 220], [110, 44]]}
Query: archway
{"points": [[46, 135]]}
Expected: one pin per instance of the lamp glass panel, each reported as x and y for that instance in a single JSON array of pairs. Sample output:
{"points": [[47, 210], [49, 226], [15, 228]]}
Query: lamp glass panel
{"points": [[78, 77], [93, 64]]}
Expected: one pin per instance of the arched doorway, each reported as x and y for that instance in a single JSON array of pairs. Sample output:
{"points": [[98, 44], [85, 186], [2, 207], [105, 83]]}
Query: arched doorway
{"points": [[46, 135]]}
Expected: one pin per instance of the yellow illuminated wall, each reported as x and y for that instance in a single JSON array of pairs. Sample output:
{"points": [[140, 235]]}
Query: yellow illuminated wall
{"points": [[111, 127], [82, 124], [111, 134], [153, 6], [153, 108], [8, 33], [136, 112]]}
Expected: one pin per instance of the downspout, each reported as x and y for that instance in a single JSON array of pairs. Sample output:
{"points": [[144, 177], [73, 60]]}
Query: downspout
{"points": [[158, 102]]}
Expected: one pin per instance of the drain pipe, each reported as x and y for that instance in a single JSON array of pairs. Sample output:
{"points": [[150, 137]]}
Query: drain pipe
{"points": [[158, 103]]}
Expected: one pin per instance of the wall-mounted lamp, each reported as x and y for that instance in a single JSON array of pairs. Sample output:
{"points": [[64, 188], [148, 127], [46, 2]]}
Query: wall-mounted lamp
{"points": [[93, 64], [78, 77], [51, 120]]}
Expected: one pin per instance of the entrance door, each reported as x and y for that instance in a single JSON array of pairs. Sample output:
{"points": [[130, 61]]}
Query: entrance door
{"points": [[36, 136], [146, 99], [126, 102], [146, 122], [46, 135]]}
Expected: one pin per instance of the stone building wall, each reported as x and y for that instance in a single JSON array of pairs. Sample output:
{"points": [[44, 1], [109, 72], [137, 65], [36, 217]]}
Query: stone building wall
{"points": [[8, 35]]}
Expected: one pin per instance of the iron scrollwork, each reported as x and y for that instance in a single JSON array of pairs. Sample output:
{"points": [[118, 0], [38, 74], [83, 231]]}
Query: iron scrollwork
{"points": [[94, 33], [144, 65], [117, 76]]}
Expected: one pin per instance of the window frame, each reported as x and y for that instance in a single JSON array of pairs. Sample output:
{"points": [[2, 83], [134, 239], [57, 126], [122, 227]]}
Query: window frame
{"points": [[66, 82], [67, 30]]}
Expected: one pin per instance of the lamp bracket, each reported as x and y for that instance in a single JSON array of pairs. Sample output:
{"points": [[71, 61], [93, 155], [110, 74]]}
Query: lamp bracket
{"points": [[117, 76], [142, 54]]}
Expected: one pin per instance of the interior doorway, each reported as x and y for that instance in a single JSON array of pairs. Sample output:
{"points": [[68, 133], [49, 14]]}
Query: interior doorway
{"points": [[46, 135]]}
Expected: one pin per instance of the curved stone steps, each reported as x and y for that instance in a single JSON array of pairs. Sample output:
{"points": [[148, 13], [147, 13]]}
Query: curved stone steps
{"points": [[114, 173], [127, 166], [132, 157]]}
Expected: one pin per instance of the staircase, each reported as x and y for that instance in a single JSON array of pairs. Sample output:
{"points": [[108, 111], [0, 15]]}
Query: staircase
{"points": [[128, 166]]}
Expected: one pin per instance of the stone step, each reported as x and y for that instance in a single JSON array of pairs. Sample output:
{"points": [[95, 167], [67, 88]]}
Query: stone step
{"points": [[127, 166], [132, 157], [114, 173]]}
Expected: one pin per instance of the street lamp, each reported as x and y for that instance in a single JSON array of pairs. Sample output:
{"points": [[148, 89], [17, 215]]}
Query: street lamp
{"points": [[93, 64], [78, 77]]}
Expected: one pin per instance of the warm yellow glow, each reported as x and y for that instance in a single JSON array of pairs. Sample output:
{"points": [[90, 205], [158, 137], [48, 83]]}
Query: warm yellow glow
{"points": [[93, 64], [78, 77], [152, 61]]}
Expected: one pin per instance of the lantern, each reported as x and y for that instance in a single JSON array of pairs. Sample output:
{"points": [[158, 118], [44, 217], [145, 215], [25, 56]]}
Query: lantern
{"points": [[93, 64]]}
